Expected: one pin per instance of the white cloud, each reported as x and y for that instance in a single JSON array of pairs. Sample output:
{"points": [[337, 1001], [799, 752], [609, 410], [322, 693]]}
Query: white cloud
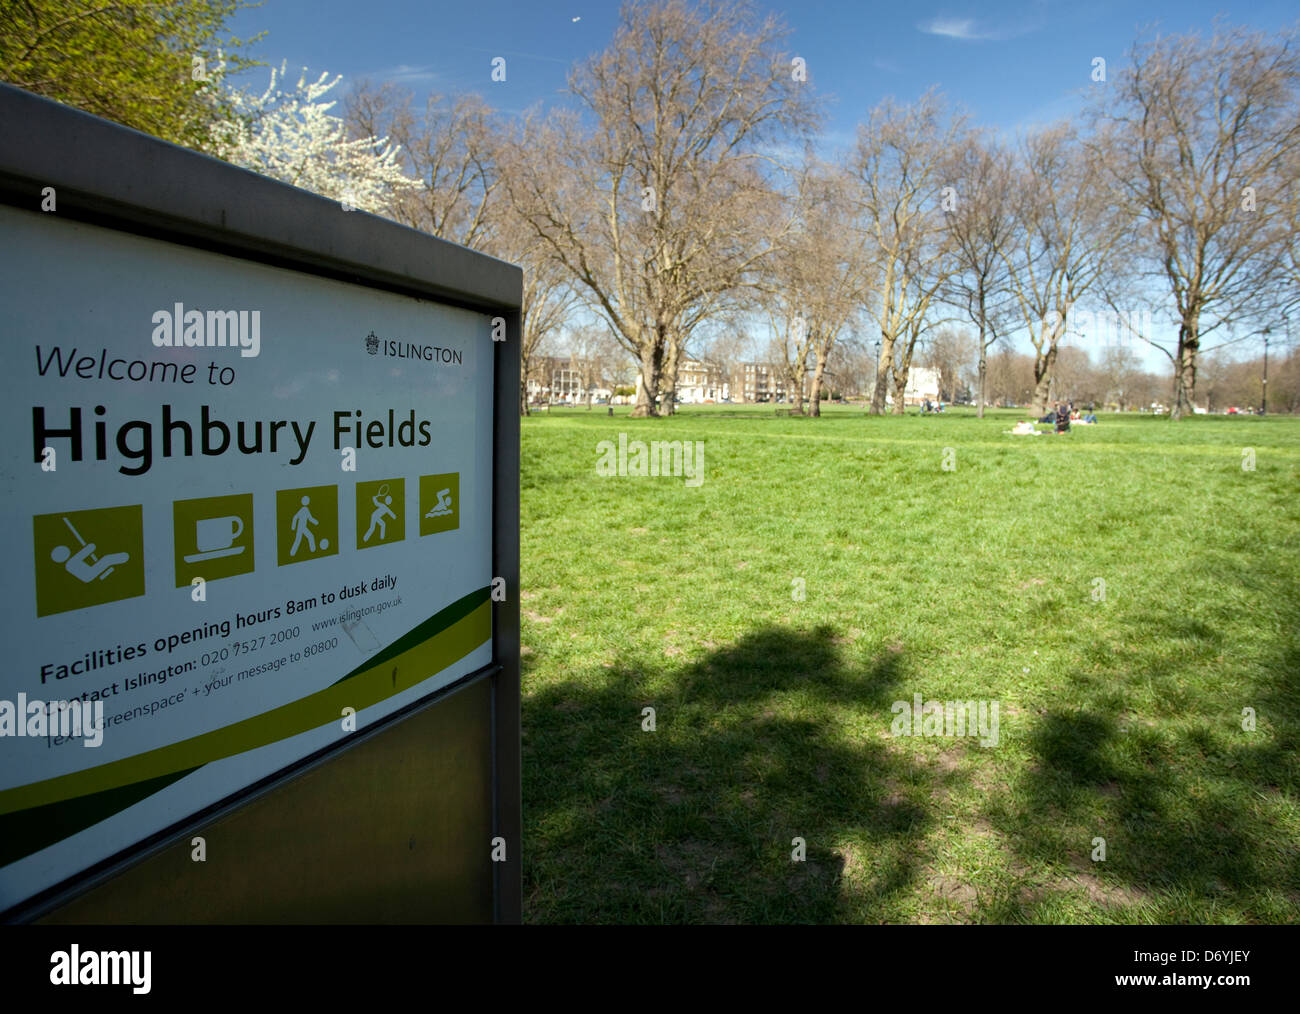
{"points": [[404, 74], [953, 28], [967, 30]]}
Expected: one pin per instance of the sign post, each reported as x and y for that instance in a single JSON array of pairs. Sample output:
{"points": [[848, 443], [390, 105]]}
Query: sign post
{"points": [[262, 623]]}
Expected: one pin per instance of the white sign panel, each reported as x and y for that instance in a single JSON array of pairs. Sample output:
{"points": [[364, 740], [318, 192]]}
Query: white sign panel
{"points": [[248, 513]]}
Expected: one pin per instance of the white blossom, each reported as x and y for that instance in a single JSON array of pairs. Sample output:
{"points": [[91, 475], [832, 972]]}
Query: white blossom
{"points": [[292, 136]]}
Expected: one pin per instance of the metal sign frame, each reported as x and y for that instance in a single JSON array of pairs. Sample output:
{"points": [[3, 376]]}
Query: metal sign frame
{"points": [[111, 176]]}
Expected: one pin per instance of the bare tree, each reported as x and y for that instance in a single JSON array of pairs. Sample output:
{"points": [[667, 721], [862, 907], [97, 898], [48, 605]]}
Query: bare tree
{"points": [[982, 225], [593, 355], [902, 164], [1010, 377], [449, 149], [815, 282], [460, 158], [548, 299], [662, 210], [1065, 235], [1197, 135], [949, 351]]}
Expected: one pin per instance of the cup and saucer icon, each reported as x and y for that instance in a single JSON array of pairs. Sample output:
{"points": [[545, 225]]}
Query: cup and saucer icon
{"points": [[215, 538]]}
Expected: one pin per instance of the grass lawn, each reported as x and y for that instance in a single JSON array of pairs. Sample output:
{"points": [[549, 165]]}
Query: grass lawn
{"points": [[1120, 714]]}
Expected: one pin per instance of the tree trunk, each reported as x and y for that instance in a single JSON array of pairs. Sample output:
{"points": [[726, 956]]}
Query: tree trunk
{"points": [[816, 409], [883, 369], [1043, 380], [668, 380], [794, 397], [1185, 368], [648, 381], [984, 362], [900, 386]]}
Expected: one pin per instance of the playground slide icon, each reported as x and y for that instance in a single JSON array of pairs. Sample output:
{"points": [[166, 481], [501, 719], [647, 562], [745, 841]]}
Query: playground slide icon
{"points": [[87, 558]]}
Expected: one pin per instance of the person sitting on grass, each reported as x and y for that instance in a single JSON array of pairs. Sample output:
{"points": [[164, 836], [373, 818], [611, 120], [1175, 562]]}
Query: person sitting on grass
{"points": [[1062, 419]]}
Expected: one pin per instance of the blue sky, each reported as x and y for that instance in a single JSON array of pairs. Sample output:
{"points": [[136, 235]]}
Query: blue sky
{"points": [[1012, 65]]}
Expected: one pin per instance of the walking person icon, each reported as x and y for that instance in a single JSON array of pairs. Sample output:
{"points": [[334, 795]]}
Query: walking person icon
{"points": [[307, 523], [299, 525], [377, 515]]}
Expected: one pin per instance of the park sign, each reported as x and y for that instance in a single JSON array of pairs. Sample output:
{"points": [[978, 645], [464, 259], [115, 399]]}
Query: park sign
{"points": [[262, 480]]}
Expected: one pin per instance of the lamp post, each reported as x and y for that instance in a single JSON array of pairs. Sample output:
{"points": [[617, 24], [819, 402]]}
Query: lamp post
{"points": [[1263, 408], [876, 382]]}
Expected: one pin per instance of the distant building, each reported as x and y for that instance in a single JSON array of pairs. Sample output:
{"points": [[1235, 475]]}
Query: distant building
{"points": [[922, 383], [767, 382], [559, 379], [700, 381]]}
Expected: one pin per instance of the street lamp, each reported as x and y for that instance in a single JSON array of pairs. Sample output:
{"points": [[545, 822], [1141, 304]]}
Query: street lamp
{"points": [[1263, 408], [876, 383]]}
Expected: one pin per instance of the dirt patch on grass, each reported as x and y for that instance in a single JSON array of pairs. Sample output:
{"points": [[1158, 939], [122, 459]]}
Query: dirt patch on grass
{"points": [[855, 861], [948, 761], [691, 861], [1100, 892], [954, 892]]}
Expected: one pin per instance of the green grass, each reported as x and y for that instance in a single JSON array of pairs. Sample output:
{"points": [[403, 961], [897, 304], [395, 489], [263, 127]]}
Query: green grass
{"points": [[1119, 718]]}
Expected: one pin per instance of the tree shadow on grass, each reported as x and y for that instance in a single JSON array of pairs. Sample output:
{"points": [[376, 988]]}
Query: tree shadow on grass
{"points": [[695, 821], [1193, 812]]}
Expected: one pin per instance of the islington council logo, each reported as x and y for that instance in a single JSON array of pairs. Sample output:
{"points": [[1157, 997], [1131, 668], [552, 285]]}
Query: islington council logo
{"points": [[412, 350]]}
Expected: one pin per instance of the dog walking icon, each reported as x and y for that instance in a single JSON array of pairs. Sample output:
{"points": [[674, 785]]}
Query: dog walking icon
{"points": [[76, 563]]}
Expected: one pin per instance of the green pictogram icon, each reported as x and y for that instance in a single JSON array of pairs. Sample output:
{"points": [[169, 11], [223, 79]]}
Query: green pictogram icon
{"points": [[213, 537], [306, 523], [87, 558], [381, 512], [439, 503]]}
